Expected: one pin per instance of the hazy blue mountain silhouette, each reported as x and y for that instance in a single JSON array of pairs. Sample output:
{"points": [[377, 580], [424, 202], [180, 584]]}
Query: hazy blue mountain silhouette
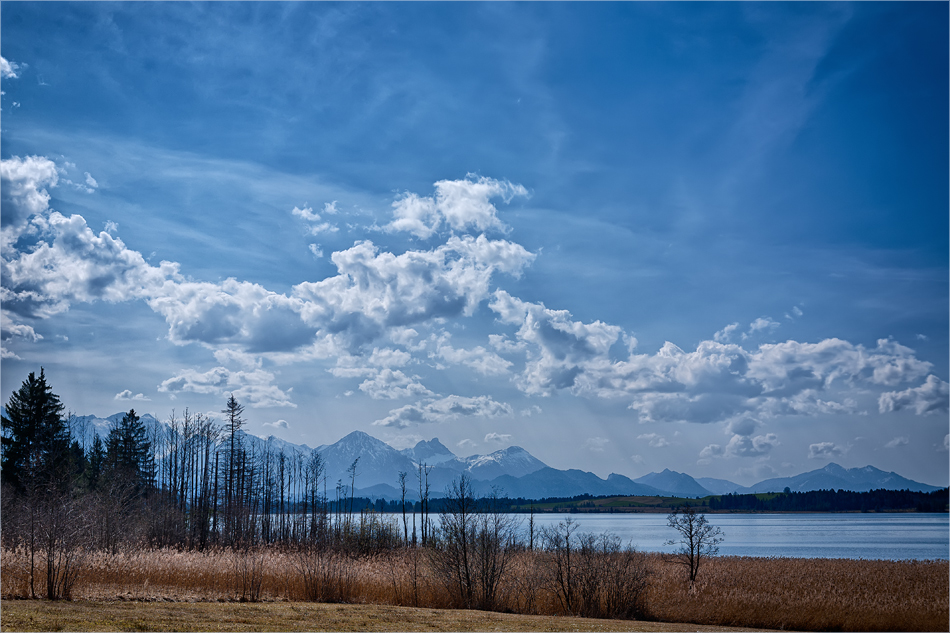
{"points": [[513, 471]]}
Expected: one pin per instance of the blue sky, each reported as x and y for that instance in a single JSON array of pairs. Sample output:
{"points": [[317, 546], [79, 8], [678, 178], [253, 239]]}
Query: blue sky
{"points": [[626, 236]]}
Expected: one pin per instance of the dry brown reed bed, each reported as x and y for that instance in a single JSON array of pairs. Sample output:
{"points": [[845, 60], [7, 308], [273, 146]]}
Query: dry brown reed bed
{"points": [[808, 594], [776, 593]]}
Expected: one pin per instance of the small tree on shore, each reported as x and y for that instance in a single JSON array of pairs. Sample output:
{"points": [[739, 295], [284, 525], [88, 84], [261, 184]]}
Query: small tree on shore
{"points": [[697, 538]]}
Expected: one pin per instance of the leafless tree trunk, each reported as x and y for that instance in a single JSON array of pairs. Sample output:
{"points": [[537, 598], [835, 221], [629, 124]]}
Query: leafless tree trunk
{"points": [[697, 538], [405, 522]]}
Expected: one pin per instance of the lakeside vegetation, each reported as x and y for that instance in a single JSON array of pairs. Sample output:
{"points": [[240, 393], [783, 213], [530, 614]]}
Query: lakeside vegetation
{"points": [[773, 593]]}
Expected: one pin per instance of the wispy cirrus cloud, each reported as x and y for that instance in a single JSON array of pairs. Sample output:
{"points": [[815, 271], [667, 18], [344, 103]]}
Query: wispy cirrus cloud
{"points": [[316, 225]]}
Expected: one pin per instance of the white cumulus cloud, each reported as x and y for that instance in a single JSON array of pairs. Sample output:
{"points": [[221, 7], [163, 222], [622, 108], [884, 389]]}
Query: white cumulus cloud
{"points": [[392, 384], [723, 335], [478, 358], [8, 69], [825, 450], [742, 446], [932, 397], [443, 409], [255, 387], [655, 440], [24, 185], [898, 441], [459, 204], [759, 325], [127, 395], [560, 350], [316, 225]]}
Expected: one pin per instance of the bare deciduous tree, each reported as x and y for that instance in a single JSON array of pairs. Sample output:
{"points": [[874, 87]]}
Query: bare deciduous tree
{"points": [[560, 543], [63, 536], [697, 538]]}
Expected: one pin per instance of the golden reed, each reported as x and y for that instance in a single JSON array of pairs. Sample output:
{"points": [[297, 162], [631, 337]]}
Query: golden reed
{"points": [[776, 593]]}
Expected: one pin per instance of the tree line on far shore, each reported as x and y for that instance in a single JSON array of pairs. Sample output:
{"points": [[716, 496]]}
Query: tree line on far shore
{"points": [[835, 501]]}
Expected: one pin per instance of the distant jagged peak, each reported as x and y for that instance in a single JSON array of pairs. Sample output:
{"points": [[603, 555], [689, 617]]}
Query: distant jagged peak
{"points": [[434, 444], [361, 436], [362, 441], [430, 452], [834, 468], [433, 447], [513, 460]]}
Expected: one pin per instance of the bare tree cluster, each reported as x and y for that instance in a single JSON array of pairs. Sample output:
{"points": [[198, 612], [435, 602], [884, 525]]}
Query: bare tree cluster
{"points": [[594, 575], [475, 545]]}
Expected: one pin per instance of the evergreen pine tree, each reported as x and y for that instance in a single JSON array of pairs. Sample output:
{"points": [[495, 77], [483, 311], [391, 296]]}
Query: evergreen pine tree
{"points": [[35, 437], [77, 462], [129, 452], [232, 495], [95, 463]]}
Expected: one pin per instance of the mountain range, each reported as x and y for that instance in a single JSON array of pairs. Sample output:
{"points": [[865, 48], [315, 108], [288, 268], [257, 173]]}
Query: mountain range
{"points": [[514, 472]]}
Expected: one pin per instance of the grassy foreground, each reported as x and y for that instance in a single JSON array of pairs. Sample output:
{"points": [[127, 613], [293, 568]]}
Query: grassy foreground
{"points": [[42, 615]]}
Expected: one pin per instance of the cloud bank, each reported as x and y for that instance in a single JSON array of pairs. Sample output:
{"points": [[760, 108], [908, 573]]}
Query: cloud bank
{"points": [[383, 311]]}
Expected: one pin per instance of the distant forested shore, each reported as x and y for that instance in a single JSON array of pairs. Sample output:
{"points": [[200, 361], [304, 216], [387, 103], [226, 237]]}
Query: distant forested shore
{"points": [[812, 501]]}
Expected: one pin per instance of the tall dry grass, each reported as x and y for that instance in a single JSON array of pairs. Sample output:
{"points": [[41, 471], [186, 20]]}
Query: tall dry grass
{"points": [[779, 593], [807, 594]]}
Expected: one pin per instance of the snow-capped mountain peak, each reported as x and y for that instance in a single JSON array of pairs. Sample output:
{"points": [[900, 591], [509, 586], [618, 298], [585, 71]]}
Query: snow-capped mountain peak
{"points": [[514, 461], [430, 453]]}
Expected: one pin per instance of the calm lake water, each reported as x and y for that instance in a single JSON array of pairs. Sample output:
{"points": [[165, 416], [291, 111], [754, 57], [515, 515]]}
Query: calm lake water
{"points": [[878, 536], [872, 536]]}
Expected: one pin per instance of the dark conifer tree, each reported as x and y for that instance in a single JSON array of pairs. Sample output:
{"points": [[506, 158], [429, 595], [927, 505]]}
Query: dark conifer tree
{"points": [[129, 452], [95, 462], [35, 437], [234, 474]]}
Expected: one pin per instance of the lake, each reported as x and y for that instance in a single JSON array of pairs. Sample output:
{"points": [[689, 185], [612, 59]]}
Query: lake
{"points": [[885, 536], [879, 536]]}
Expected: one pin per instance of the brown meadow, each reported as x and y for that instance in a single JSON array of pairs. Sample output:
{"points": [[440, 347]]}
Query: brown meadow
{"points": [[776, 593], [45, 615]]}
